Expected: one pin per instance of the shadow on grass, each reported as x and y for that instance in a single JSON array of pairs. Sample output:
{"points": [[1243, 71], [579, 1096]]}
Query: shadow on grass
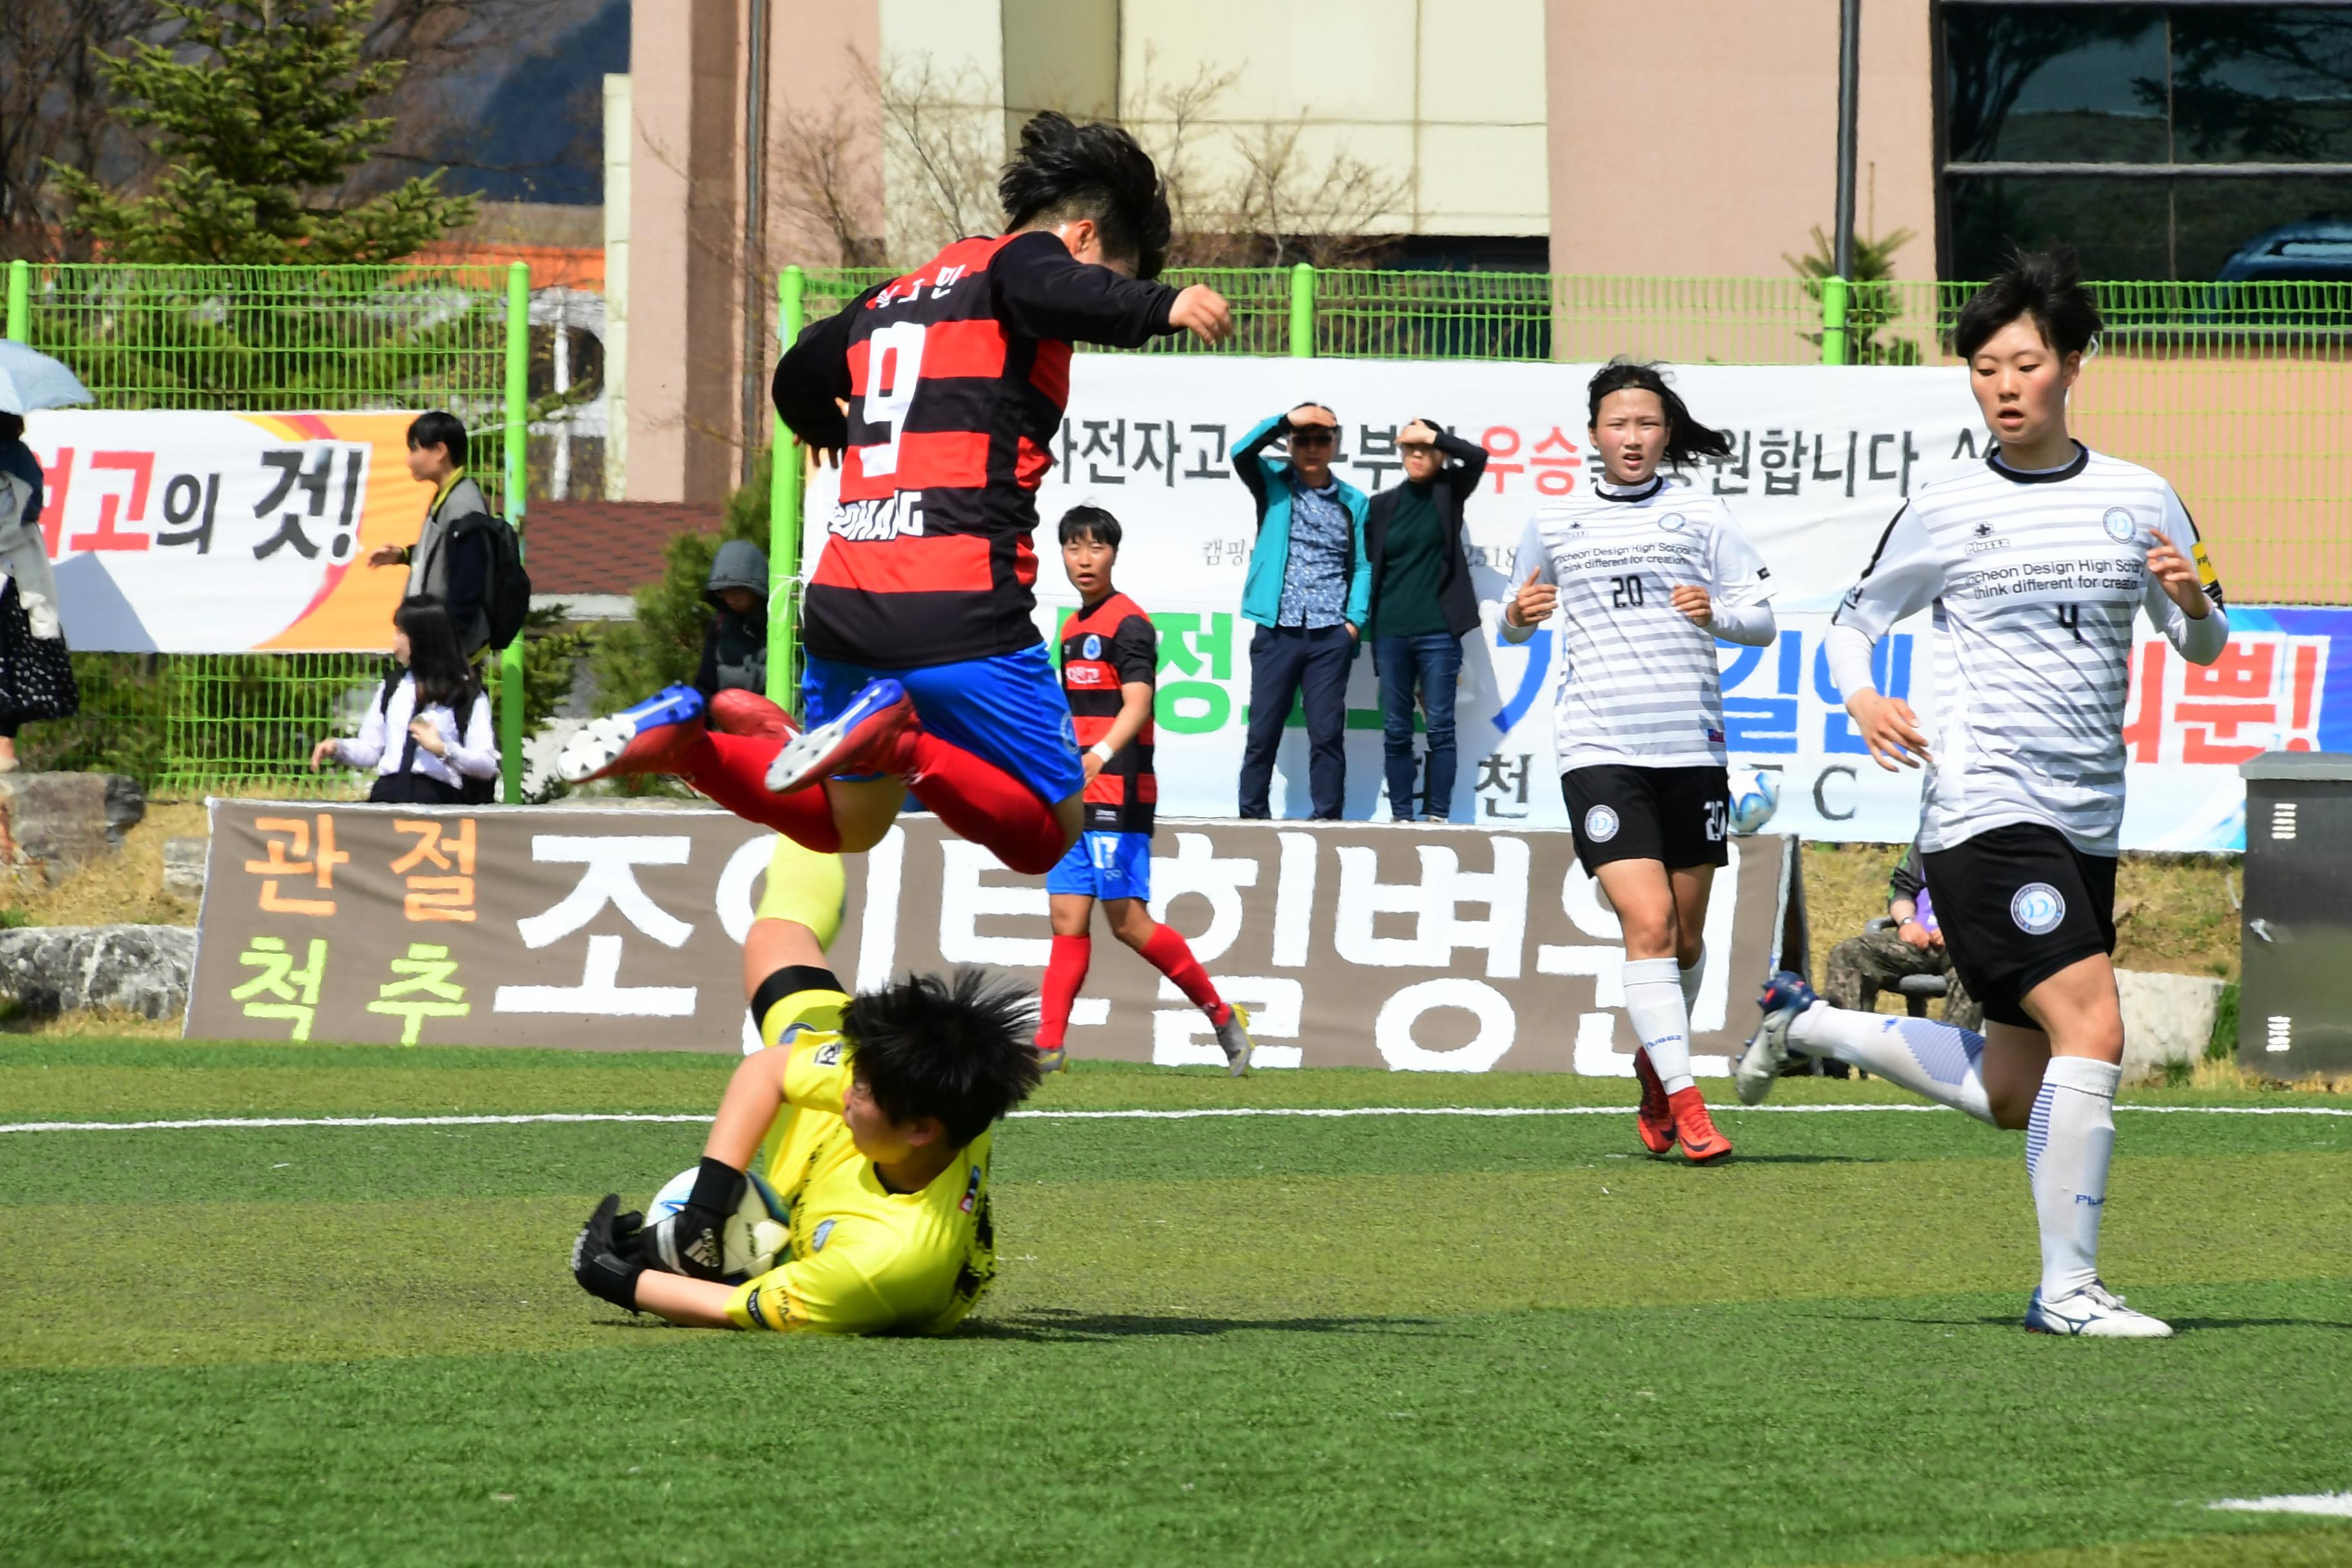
{"points": [[1054, 1325]]}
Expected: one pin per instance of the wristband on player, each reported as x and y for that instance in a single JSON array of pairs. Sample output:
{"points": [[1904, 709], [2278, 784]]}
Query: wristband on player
{"points": [[694, 1241], [1101, 751]]}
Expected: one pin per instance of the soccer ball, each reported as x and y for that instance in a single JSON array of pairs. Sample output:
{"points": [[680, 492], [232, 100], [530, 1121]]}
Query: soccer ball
{"points": [[1755, 797], [756, 1233]]}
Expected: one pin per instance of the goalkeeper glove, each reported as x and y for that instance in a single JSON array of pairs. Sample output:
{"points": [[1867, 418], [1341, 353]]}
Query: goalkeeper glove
{"points": [[601, 1259], [693, 1241]]}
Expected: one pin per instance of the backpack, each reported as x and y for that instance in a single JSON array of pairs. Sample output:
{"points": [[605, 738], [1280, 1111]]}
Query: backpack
{"points": [[505, 601], [471, 791]]}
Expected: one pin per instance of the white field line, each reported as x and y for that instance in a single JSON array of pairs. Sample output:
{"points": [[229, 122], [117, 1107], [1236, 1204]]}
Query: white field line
{"points": [[1330, 1113], [2338, 1504]]}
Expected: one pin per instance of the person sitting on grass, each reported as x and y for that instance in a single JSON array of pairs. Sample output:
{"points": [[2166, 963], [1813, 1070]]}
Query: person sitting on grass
{"points": [[877, 1107]]}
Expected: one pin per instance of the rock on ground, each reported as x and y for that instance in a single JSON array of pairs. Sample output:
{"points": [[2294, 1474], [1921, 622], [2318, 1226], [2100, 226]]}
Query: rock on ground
{"points": [[139, 969], [2167, 1018], [184, 866], [53, 823]]}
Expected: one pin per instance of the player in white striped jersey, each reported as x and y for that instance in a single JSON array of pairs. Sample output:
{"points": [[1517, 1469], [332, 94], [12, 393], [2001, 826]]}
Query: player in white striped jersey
{"points": [[1645, 573], [2034, 566]]}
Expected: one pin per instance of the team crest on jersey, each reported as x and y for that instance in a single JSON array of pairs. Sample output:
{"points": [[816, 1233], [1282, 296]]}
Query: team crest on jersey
{"points": [[1091, 647], [1600, 825], [1674, 523], [2038, 909], [2119, 525], [822, 1232]]}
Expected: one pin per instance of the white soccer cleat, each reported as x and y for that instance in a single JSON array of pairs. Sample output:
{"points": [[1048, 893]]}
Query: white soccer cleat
{"points": [[1786, 998], [2093, 1312], [653, 737], [1235, 1036]]}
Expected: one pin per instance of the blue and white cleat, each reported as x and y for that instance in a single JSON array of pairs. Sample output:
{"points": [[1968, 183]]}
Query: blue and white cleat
{"points": [[862, 739], [2093, 1313], [651, 738], [1786, 997]]}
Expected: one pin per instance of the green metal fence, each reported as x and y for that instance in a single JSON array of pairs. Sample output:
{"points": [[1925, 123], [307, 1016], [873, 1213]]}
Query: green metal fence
{"points": [[273, 339]]}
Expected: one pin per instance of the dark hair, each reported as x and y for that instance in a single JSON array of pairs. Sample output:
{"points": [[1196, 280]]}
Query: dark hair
{"points": [[1090, 522], [1064, 172], [435, 657], [12, 427], [1685, 437], [439, 429], [2046, 285], [957, 1048]]}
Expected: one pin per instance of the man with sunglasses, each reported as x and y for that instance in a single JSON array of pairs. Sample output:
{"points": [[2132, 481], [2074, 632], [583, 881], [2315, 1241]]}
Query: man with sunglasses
{"points": [[1308, 590]]}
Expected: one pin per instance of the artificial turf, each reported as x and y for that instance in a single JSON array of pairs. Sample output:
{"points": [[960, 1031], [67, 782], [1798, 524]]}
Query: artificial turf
{"points": [[1381, 1339]]}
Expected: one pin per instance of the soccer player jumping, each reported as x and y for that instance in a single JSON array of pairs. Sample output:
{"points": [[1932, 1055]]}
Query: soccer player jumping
{"points": [[1646, 575], [2035, 564], [925, 671]]}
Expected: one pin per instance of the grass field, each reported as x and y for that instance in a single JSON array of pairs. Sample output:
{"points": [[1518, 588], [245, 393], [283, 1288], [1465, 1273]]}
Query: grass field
{"points": [[1363, 1339]]}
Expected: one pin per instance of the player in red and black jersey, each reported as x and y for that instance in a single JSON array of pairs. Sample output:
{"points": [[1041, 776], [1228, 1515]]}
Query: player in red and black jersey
{"points": [[938, 393], [1110, 661]]}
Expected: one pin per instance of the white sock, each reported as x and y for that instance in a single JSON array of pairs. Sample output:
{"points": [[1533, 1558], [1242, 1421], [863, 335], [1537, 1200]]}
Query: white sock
{"points": [[2068, 1144], [1653, 1001], [1926, 1058], [1691, 978]]}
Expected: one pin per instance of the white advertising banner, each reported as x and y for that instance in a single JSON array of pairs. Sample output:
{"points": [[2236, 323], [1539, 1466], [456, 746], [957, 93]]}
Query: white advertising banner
{"points": [[1823, 459], [194, 531]]}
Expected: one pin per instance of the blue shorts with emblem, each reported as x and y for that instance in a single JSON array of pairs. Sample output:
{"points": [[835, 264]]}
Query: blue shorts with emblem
{"points": [[1007, 710], [1105, 866]]}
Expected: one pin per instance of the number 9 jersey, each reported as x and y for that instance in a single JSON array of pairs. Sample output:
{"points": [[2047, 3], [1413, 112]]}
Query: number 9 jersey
{"points": [[1639, 683]]}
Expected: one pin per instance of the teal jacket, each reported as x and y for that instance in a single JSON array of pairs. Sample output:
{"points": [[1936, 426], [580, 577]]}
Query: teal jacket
{"points": [[1268, 479]]}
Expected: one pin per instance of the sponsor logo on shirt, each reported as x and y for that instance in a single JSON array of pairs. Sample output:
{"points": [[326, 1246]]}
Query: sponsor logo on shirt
{"points": [[2038, 909], [1600, 825], [894, 516], [1084, 674], [828, 1055], [970, 1191], [1984, 540], [824, 1232]]}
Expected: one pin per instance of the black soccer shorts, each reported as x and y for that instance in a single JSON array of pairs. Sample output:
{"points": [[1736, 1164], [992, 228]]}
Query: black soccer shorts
{"points": [[1679, 816], [2017, 904]]}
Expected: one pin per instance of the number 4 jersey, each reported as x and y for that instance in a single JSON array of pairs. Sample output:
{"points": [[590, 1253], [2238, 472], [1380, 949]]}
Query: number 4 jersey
{"points": [[1638, 683], [2034, 577]]}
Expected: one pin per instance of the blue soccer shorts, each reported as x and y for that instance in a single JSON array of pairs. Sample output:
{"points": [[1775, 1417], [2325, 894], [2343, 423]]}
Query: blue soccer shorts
{"points": [[1105, 866], [1007, 710]]}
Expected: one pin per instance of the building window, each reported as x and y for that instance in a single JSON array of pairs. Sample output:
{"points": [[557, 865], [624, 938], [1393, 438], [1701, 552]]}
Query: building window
{"points": [[2187, 142]]}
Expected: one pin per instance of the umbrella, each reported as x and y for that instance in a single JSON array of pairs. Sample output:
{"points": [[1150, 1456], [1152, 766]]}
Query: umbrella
{"points": [[29, 380]]}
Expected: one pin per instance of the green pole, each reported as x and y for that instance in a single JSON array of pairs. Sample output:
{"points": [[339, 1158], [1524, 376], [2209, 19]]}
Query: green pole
{"points": [[786, 471], [1302, 311], [517, 480], [20, 300], [1835, 294]]}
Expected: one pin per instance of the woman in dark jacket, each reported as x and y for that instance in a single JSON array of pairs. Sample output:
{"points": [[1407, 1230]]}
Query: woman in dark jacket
{"points": [[1422, 603], [37, 679], [735, 643]]}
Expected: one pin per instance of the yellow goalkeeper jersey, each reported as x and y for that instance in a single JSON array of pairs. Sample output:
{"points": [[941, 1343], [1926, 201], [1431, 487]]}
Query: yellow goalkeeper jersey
{"points": [[863, 1259]]}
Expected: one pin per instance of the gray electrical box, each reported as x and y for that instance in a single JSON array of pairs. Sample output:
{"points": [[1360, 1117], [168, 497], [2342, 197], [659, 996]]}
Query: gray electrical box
{"points": [[2295, 942]]}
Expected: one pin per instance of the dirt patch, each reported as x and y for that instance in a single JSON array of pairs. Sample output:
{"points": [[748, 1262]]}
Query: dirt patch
{"points": [[125, 889]]}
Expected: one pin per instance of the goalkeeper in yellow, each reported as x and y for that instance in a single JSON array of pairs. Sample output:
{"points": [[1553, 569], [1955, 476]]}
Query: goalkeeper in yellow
{"points": [[876, 1109]]}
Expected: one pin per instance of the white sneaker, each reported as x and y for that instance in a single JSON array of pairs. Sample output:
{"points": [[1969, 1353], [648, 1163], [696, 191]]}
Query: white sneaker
{"points": [[1786, 998], [2093, 1312]]}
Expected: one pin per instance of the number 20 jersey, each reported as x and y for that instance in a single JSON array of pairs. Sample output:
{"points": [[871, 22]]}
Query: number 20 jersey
{"points": [[1639, 684], [2033, 578]]}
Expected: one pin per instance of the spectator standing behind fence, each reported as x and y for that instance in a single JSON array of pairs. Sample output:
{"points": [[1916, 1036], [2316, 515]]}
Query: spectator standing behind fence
{"points": [[1422, 603], [1308, 589], [735, 643], [1861, 966], [422, 754], [450, 562], [37, 679]]}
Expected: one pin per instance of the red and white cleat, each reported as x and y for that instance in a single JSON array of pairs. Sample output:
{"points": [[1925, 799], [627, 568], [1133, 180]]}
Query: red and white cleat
{"points": [[651, 738], [864, 739]]}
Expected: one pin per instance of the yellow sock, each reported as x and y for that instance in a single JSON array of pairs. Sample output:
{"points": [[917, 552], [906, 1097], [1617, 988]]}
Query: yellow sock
{"points": [[806, 887]]}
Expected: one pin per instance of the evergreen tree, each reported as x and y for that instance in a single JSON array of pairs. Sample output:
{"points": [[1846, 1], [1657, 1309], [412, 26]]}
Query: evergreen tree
{"points": [[256, 108]]}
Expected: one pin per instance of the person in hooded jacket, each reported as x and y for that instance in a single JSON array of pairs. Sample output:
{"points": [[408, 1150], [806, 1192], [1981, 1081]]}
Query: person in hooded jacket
{"points": [[735, 643]]}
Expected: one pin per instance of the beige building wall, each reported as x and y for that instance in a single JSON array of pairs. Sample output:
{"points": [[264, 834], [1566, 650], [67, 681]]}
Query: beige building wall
{"points": [[1713, 150], [1446, 101]]}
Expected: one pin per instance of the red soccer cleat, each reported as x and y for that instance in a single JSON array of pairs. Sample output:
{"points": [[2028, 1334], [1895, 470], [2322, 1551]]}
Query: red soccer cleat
{"points": [[1655, 1121], [651, 738], [867, 738], [1702, 1144], [732, 712]]}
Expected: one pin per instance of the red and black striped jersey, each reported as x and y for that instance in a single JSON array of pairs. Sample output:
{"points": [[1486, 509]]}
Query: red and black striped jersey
{"points": [[955, 376], [1103, 647]]}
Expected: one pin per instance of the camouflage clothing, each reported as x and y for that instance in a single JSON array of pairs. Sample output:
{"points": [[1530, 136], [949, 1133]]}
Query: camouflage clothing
{"points": [[1860, 967]]}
